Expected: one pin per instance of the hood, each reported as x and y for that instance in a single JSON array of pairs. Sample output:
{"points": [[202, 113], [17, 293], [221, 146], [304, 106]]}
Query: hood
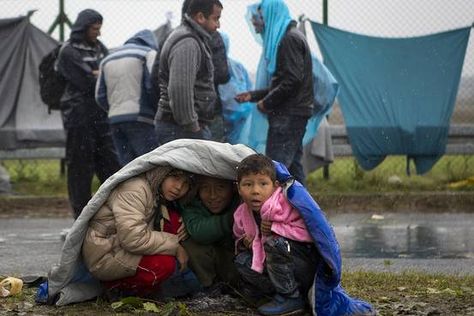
{"points": [[276, 17], [144, 38], [85, 18]]}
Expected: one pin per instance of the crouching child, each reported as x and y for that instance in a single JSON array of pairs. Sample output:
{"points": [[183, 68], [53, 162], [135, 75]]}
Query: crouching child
{"points": [[275, 254]]}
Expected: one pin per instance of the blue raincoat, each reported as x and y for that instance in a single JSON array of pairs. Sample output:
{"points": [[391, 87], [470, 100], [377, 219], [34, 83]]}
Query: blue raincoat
{"points": [[327, 297], [234, 113]]}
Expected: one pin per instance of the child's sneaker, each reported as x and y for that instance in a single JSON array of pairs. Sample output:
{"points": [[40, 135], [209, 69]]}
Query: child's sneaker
{"points": [[280, 306]]}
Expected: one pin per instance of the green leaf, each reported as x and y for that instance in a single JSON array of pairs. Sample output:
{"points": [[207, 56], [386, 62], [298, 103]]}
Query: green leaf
{"points": [[132, 301], [116, 305], [150, 307]]}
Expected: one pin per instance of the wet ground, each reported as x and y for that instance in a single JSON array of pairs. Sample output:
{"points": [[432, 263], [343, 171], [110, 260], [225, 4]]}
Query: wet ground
{"points": [[431, 242]]}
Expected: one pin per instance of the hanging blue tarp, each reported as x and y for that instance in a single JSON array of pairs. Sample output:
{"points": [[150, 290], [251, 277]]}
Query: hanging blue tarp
{"points": [[397, 94]]}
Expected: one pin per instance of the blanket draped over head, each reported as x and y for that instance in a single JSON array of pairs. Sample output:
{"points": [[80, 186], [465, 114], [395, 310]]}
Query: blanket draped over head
{"points": [[70, 281]]}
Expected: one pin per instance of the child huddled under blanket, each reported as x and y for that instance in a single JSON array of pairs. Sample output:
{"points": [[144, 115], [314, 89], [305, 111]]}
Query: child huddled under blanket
{"points": [[275, 252], [132, 244]]}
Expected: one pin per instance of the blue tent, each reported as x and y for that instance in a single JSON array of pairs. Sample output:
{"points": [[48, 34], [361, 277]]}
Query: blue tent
{"points": [[397, 94]]}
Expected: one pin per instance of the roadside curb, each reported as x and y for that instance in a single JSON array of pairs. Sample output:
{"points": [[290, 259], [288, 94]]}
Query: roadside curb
{"points": [[58, 206], [398, 202]]}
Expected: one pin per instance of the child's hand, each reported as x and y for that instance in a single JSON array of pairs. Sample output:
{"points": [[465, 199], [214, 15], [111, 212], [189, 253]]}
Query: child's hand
{"points": [[182, 257], [266, 228], [247, 241], [182, 231]]}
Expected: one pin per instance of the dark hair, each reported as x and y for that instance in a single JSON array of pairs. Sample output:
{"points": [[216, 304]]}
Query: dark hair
{"points": [[193, 7], [256, 164]]}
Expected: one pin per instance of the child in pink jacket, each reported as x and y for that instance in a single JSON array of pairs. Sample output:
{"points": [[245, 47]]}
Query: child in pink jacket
{"points": [[275, 253]]}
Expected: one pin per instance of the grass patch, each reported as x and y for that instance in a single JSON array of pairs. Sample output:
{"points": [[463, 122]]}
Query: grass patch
{"points": [[43, 177], [39, 177], [391, 176], [407, 293], [411, 293]]}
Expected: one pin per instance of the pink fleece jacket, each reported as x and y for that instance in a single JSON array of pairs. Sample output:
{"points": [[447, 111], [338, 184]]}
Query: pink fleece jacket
{"points": [[286, 222]]}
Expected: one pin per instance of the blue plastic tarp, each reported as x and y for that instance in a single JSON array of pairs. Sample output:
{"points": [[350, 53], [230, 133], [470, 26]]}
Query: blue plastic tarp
{"points": [[397, 94], [327, 297]]}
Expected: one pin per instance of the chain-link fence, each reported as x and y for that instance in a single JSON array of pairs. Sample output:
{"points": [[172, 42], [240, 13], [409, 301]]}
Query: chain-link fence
{"points": [[384, 18]]}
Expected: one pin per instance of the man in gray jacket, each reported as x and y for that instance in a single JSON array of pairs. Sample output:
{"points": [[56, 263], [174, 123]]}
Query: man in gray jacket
{"points": [[187, 92]]}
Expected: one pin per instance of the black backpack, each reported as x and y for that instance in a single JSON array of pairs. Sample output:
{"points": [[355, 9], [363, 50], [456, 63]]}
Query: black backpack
{"points": [[52, 83]]}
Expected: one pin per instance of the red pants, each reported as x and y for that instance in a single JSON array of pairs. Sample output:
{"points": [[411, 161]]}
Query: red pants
{"points": [[151, 270]]}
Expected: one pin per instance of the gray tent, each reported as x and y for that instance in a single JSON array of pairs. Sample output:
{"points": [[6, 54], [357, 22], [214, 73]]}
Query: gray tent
{"points": [[24, 119]]}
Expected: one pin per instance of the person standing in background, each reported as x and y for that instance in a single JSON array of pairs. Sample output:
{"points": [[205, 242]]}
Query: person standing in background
{"points": [[124, 91], [89, 146], [187, 91], [289, 100]]}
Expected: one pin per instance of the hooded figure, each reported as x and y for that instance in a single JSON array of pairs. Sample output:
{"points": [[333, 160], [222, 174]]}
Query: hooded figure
{"points": [[89, 147], [124, 90], [288, 98]]}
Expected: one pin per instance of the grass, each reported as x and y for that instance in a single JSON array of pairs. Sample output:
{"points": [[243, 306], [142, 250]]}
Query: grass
{"points": [[38, 177], [43, 177], [406, 293], [391, 176]]}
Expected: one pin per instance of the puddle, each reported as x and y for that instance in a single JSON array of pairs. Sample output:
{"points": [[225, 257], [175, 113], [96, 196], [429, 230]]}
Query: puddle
{"points": [[397, 236]]}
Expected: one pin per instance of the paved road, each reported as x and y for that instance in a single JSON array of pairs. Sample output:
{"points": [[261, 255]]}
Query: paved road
{"points": [[434, 243]]}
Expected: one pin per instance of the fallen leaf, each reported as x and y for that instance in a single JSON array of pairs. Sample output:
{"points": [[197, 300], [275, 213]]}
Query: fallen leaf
{"points": [[151, 307]]}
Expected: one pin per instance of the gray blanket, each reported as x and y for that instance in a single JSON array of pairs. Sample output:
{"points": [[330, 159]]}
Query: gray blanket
{"points": [[198, 156]]}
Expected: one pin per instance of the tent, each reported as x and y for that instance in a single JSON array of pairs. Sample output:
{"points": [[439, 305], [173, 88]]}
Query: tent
{"points": [[24, 118]]}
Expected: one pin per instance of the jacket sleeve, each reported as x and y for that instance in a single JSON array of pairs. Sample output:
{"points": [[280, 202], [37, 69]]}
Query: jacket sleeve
{"points": [[101, 91], [75, 71], [154, 81], [291, 64], [134, 233], [219, 59], [184, 61], [207, 229], [152, 95], [238, 227], [258, 95]]}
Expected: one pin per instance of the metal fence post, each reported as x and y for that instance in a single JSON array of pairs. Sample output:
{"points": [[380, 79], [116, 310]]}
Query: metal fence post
{"points": [[60, 20], [325, 22]]}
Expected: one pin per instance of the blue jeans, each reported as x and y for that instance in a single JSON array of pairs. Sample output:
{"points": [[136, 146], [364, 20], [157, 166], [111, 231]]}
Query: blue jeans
{"points": [[289, 268], [168, 131], [133, 139], [179, 284], [285, 142]]}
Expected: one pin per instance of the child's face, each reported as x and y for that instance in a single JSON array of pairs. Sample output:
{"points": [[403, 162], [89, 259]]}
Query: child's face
{"points": [[255, 189], [215, 194], [175, 187]]}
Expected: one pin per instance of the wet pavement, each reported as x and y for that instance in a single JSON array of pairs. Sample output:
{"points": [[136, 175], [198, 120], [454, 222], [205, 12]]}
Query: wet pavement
{"points": [[429, 242]]}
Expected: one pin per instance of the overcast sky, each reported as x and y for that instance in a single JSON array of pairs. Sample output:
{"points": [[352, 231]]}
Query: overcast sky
{"points": [[389, 18]]}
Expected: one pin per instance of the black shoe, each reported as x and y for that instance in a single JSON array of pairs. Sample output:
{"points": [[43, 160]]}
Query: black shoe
{"points": [[283, 306]]}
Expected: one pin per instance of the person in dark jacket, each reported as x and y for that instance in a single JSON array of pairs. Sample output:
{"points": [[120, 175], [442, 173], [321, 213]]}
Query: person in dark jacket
{"points": [[89, 147], [288, 101], [187, 91], [124, 91]]}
